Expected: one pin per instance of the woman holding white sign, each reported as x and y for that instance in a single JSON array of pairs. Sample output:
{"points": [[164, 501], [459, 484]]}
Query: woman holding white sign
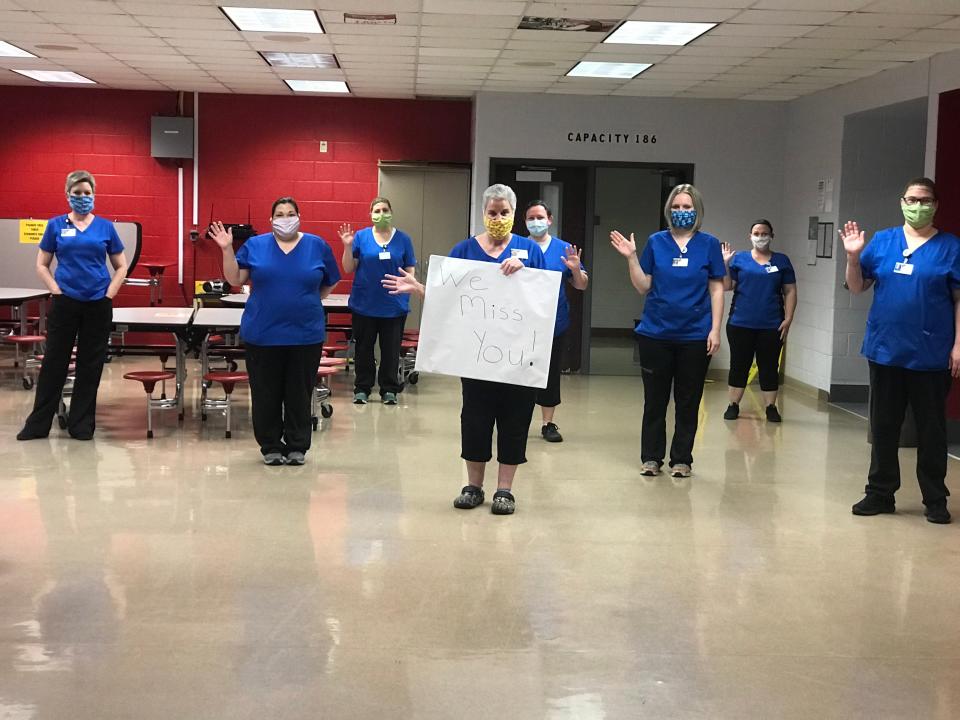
{"points": [[564, 258], [487, 404], [681, 271]]}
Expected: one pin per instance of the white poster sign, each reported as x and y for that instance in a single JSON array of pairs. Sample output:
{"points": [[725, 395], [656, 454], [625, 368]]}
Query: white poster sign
{"points": [[478, 323]]}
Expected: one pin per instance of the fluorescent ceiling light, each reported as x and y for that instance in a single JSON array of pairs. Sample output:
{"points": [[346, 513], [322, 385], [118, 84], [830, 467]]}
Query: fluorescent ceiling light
{"points": [[318, 86], [55, 76], [641, 32], [251, 19], [8, 50], [302, 60], [608, 70]]}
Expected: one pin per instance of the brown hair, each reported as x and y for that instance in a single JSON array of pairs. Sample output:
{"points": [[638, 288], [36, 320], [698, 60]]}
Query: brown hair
{"points": [[378, 200], [284, 201], [79, 176], [923, 182]]}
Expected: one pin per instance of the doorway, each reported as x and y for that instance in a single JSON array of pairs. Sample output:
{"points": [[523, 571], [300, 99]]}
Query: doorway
{"points": [[431, 204], [589, 199]]}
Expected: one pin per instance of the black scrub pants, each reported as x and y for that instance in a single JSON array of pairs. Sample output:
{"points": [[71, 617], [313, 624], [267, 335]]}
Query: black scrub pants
{"points": [[366, 330], [86, 324], [550, 395], [282, 379], [679, 366], [747, 343], [486, 405], [891, 389]]}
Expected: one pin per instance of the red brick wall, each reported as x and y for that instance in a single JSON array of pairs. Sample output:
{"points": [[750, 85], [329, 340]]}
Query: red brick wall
{"points": [[47, 132], [253, 149], [256, 149]]}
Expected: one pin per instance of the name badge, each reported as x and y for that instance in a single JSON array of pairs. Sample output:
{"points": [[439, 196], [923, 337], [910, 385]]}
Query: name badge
{"points": [[902, 268], [519, 253], [772, 269], [681, 262], [384, 255], [68, 232]]}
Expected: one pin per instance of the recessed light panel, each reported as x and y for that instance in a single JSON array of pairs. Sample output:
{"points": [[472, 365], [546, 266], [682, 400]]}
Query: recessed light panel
{"points": [[300, 60], [251, 19], [624, 71], [641, 32], [8, 50], [55, 76], [318, 86]]}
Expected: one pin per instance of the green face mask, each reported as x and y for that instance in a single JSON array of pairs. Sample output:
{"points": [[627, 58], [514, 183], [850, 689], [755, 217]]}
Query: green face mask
{"points": [[918, 216], [382, 220]]}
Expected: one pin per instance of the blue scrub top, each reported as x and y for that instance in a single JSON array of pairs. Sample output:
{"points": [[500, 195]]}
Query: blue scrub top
{"points": [[678, 304], [553, 257], [911, 321], [758, 296], [284, 307], [368, 296], [470, 249], [81, 255]]}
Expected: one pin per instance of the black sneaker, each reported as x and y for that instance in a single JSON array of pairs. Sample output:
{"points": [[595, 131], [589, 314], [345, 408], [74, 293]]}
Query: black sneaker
{"points": [[733, 412], [874, 505], [551, 433], [470, 497], [937, 514], [503, 503], [773, 415]]}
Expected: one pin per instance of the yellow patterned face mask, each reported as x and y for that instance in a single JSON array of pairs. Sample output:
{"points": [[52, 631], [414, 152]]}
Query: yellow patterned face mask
{"points": [[498, 227]]}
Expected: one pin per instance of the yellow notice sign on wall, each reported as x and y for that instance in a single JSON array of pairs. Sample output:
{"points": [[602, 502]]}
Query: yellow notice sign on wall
{"points": [[31, 231]]}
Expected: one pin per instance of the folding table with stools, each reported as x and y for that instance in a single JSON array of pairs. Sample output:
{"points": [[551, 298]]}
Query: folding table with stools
{"points": [[408, 361], [154, 282], [160, 320], [149, 380], [329, 366], [18, 299], [211, 321], [32, 348]]}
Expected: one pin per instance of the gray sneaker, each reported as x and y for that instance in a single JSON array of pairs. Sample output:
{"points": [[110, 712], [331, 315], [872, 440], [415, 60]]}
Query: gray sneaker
{"points": [[650, 468], [296, 458], [360, 398], [273, 459], [681, 470], [389, 398]]}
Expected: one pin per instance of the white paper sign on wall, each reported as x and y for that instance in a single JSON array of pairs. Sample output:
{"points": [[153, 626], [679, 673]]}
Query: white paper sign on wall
{"points": [[478, 323]]}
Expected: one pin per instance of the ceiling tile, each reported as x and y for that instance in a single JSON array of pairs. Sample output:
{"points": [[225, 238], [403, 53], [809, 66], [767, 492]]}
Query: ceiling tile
{"points": [[683, 14], [787, 17], [914, 7]]}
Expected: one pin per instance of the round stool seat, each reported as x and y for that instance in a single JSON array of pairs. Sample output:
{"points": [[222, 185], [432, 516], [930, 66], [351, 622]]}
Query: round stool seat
{"points": [[327, 371], [333, 362], [25, 339], [409, 345], [149, 378], [227, 379]]}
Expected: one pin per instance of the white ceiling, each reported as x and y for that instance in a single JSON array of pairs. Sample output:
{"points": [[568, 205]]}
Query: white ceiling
{"points": [[761, 49]]}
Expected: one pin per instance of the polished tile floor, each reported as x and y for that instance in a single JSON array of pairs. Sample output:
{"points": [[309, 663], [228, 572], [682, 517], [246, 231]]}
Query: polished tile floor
{"points": [[179, 578]]}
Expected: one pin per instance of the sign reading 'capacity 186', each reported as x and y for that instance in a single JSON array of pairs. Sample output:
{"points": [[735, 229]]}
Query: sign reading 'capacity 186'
{"points": [[612, 138]]}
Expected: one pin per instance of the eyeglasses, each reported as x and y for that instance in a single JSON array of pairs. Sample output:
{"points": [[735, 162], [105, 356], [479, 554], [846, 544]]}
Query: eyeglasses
{"points": [[925, 201]]}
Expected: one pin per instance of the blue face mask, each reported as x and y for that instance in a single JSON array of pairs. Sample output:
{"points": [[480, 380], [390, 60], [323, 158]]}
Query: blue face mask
{"points": [[537, 228], [81, 204], [683, 219]]}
